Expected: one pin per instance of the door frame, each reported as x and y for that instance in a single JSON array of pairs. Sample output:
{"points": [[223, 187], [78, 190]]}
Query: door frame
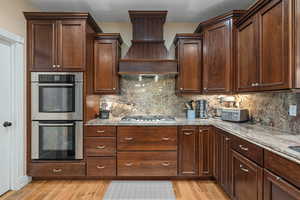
{"points": [[17, 136]]}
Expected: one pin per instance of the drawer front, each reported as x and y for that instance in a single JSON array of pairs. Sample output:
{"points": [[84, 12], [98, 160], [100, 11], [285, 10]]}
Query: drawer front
{"points": [[95, 146], [147, 138], [283, 167], [101, 166], [57, 169], [100, 131], [251, 151], [147, 164]]}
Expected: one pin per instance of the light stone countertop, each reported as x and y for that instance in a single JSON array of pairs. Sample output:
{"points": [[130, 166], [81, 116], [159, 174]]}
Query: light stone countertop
{"points": [[269, 138]]}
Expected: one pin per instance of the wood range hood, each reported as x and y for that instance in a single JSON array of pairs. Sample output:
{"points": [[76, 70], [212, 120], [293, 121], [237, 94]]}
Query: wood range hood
{"points": [[147, 54]]}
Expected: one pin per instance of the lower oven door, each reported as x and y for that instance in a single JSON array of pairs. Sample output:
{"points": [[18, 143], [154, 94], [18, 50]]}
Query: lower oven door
{"points": [[57, 140]]}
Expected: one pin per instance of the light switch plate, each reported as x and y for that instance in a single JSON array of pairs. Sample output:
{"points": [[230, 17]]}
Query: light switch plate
{"points": [[293, 110]]}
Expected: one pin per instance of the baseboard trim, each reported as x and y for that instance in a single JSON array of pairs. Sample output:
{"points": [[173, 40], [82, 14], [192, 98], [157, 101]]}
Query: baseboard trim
{"points": [[21, 182]]}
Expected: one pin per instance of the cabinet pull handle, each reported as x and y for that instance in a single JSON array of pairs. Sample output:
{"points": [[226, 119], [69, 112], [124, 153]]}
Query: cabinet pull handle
{"points": [[57, 170], [278, 178], [243, 169], [243, 148], [100, 131], [128, 138], [165, 164], [100, 167], [101, 147], [165, 138], [128, 164], [188, 133], [227, 139]]}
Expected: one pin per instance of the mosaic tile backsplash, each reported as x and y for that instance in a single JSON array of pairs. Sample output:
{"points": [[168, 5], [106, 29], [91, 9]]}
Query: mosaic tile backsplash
{"points": [[158, 98]]}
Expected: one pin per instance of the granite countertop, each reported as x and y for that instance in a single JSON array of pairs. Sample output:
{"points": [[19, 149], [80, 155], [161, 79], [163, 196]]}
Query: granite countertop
{"points": [[272, 139]]}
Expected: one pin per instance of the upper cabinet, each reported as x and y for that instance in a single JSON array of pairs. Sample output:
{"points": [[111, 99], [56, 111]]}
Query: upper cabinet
{"points": [[189, 56], [218, 53], [106, 54], [59, 41], [268, 47]]}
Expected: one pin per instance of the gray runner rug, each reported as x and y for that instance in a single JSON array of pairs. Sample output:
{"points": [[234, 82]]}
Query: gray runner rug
{"points": [[140, 190]]}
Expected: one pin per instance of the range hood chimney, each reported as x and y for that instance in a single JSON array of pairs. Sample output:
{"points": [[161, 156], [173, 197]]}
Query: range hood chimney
{"points": [[147, 54]]}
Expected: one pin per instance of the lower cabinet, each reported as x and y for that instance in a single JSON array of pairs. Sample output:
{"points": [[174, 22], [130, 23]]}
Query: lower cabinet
{"points": [[147, 163], [205, 151], [101, 166], [275, 188], [188, 151], [247, 178], [222, 164]]}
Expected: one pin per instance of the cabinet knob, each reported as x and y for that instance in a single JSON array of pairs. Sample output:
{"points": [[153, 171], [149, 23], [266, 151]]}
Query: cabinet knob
{"points": [[204, 89], [181, 88], [253, 84], [114, 88], [58, 66], [227, 139], [53, 66]]}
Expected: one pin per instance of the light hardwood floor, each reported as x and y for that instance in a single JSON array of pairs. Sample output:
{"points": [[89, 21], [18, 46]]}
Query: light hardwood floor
{"points": [[95, 189]]}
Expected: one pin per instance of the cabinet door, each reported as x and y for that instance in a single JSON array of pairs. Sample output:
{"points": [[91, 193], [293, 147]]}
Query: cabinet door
{"points": [[275, 188], [226, 181], [274, 45], [205, 152], [41, 45], [217, 156], [217, 70], [247, 178], [190, 66], [188, 151], [247, 59], [105, 68], [71, 45]]}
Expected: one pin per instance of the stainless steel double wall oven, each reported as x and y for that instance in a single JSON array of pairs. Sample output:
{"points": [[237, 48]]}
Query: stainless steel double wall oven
{"points": [[57, 114]]}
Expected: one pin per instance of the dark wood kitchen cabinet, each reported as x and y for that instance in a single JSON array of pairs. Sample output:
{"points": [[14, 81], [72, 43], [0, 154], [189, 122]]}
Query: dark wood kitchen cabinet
{"points": [[58, 41], [107, 52], [205, 151], [247, 178], [269, 35], [222, 162], [219, 52], [276, 188], [247, 56], [189, 56], [188, 151]]}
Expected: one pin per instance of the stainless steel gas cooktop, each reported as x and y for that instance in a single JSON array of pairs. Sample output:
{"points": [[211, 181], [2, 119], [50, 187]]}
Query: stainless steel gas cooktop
{"points": [[148, 118]]}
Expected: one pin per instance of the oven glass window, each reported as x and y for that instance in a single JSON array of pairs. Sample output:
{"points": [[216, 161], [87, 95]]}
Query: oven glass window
{"points": [[56, 99], [57, 142]]}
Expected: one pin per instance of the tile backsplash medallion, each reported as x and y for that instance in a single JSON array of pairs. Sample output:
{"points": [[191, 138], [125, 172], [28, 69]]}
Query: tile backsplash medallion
{"points": [[158, 98]]}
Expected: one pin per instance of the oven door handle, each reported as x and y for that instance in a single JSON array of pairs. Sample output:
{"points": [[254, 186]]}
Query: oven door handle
{"points": [[56, 84], [66, 124]]}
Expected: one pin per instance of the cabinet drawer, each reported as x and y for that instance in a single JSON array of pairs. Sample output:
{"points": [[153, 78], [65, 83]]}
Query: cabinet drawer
{"points": [[251, 151], [283, 167], [100, 131], [147, 164], [101, 166], [57, 169], [95, 146], [147, 138]]}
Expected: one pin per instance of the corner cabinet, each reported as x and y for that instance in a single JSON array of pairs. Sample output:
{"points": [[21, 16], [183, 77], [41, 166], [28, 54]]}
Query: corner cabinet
{"points": [[219, 53], [107, 53], [58, 41], [268, 47], [189, 57]]}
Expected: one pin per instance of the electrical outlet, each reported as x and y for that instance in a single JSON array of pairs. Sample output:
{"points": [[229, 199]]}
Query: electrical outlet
{"points": [[293, 110]]}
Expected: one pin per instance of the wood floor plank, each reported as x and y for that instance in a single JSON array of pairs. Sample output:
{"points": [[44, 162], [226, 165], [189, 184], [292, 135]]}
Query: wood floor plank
{"points": [[95, 190]]}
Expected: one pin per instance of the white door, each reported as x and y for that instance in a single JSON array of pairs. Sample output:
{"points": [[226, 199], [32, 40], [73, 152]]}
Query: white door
{"points": [[5, 114]]}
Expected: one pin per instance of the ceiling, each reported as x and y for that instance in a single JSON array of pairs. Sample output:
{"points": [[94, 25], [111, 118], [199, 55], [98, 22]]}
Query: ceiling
{"points": [[117, 10]]}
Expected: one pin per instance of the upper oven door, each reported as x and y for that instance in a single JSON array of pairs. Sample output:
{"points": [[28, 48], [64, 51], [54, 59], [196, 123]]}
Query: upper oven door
{"points": [[56, 97]]}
